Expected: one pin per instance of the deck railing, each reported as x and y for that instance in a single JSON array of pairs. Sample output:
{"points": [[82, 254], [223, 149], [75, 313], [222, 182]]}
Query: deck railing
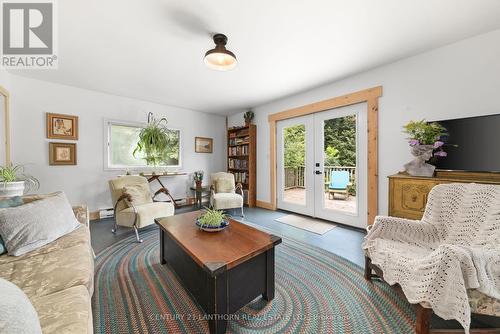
{"points": [[294, 176]]}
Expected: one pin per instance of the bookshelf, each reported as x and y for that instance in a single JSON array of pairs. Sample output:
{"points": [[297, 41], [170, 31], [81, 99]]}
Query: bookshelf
{"points": [[242, 158]]}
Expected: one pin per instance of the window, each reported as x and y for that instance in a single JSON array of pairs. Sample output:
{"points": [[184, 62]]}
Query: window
{"points": [[122, 138]]}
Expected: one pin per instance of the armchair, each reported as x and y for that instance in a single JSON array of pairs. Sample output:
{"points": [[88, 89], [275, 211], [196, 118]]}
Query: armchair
{"points": [[448, 263], [134, 204], [224, 193]]}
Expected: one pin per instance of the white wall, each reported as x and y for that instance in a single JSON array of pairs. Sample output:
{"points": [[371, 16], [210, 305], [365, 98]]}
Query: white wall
{"points": [[4, 78], [458, 80], [5, 83], [87, 182]]}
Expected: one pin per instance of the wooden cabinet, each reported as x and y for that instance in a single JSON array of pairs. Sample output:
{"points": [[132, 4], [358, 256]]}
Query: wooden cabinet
{"points": [[408, 194]]}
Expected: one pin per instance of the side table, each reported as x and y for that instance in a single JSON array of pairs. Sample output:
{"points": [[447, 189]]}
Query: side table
{"points": [[199, 194]]}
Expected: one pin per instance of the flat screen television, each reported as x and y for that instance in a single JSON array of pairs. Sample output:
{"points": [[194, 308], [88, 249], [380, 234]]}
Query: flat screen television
{"points": [[477, 141]]}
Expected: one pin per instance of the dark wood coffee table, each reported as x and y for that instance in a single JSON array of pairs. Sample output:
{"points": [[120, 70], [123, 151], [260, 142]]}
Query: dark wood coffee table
{"points": [[224, 270]]}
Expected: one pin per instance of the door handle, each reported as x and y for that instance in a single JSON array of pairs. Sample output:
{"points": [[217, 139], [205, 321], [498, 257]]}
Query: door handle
{"points": [[318, 172]]}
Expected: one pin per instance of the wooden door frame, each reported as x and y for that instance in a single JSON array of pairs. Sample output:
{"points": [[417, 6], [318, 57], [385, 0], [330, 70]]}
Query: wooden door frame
{"points": [[370, 96], [6, 104]]}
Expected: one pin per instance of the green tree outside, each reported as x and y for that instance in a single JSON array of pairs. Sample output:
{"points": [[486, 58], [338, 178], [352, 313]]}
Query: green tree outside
{"points": [[294, 139], [339, 148]]}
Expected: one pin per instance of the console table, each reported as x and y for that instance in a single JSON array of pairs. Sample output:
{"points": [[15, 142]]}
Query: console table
{"points": [[408, 194], [156, 177]]}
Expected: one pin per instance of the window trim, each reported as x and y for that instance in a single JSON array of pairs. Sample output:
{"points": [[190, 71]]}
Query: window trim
{"points": [[107, 146]]}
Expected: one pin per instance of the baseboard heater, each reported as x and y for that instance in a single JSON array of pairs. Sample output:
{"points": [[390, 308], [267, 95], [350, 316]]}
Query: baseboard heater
{"points": [[106, 213]]}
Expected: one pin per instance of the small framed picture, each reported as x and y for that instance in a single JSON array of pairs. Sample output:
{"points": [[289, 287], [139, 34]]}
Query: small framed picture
{"points": [[61, 126], [61, 154], [203, 145]]}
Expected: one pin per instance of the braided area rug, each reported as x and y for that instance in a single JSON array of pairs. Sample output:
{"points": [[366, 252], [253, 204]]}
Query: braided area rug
{"points": [[316, 292]]}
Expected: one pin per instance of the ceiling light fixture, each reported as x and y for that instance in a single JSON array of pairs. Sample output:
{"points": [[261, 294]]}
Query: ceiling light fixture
{"points": [[220, 58]]}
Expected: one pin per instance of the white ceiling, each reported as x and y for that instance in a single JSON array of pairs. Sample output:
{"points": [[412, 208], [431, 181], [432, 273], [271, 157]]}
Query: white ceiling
{"points": [[153, 49]]}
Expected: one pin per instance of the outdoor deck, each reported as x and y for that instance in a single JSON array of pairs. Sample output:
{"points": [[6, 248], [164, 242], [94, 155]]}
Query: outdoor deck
{"points": [[297, 195]]}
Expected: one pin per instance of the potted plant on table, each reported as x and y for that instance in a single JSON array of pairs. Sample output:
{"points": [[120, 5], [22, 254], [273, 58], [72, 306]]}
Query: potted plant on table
{"points": [[154, 141], [198, 178], [426, 141], [14, 182], [212, 220]]}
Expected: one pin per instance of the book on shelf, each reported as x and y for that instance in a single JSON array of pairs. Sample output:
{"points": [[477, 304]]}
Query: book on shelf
{"points": [[245, 196], [239, 141], [238, 163], [241, 177], [238, 150], [241, 159], [240, 133]]}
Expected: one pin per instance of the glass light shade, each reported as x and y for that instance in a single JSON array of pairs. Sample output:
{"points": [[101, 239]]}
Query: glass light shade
{"points": [[221, 60]]}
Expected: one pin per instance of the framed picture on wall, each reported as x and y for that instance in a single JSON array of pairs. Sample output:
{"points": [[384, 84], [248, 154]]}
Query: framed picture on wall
{"points": [[61, 154], [203, 145], [61, 126]]}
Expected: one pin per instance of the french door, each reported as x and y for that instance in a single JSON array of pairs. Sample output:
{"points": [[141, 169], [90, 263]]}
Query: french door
{"points": [[322, 165]]}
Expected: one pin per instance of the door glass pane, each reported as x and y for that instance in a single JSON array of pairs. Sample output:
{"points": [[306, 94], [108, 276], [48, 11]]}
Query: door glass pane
{"points": [[294, 157], [340, 164]]}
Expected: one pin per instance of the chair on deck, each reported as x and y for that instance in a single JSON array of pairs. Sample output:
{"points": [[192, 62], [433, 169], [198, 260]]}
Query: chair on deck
{"points": [[339, 183]]}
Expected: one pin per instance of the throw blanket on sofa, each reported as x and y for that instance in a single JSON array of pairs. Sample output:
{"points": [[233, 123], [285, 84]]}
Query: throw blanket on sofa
{"points": [[455, 247]]}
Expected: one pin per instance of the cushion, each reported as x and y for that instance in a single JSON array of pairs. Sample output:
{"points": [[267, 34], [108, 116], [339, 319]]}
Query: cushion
{"points": [[140, 194], [116, 188], [48, 273], [77, 237], [36, 197], [2, 246], [27, 227], [227, 201], [67, 311], [17, 315], [224, 185], [146, 214], [8, 202], [11, 202], [483, 304]]}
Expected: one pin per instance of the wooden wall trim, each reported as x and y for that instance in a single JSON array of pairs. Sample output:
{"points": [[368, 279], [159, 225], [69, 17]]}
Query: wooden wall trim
{"points": [[370, 96], [6, 97], [272, 163], [264, 205], [336, 102], [372, 187], [94, 215]]}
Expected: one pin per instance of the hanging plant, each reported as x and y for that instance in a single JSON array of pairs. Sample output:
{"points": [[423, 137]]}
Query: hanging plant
{"points": [[154, 141]]}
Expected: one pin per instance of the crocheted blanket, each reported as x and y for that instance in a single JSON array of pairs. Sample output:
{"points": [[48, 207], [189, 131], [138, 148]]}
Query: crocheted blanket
{"points": [[455, 247]]}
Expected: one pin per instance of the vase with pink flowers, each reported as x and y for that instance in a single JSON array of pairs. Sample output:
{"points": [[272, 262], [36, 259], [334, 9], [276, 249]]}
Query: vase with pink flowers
{"points": [[426, 141]]}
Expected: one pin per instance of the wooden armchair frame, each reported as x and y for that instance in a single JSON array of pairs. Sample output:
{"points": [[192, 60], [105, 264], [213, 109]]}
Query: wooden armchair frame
{"points": [[128, 201]]}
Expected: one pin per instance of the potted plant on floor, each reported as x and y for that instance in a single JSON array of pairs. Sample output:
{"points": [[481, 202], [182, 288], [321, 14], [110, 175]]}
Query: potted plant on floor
{"points": [[14, 182], [154, 141]]}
